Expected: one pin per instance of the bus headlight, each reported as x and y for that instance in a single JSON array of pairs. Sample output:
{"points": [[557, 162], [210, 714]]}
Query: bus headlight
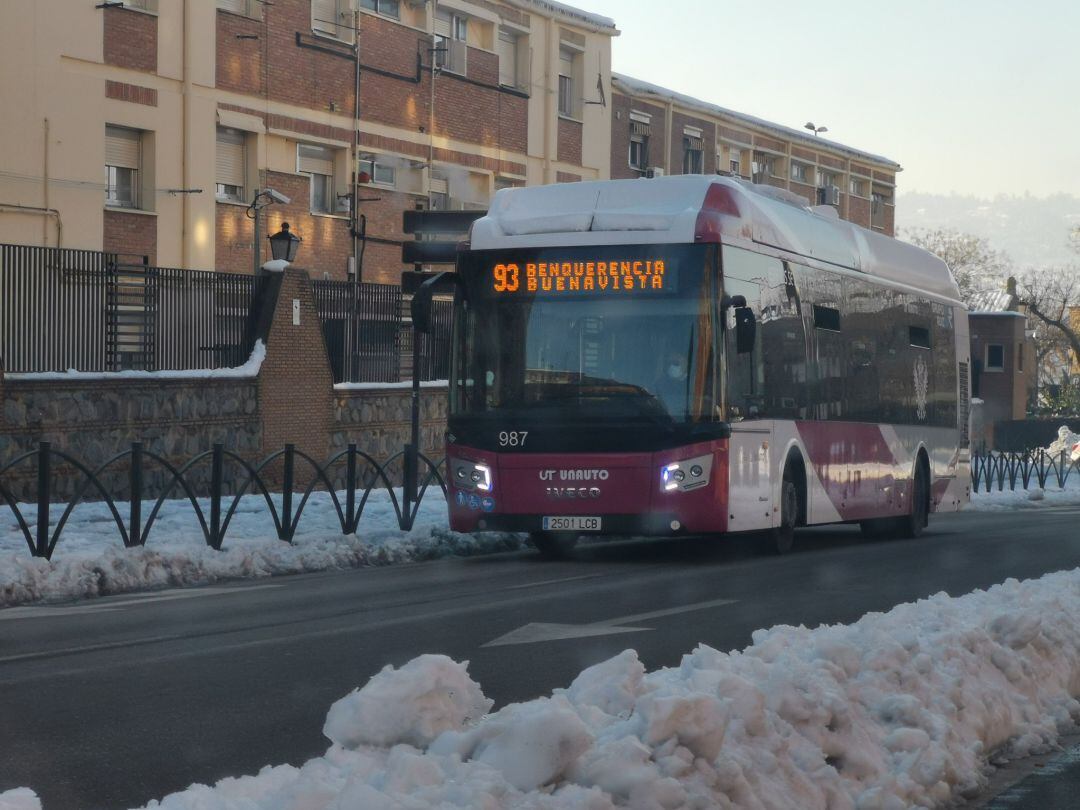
{"points": [[471, 475], [684, 476]]}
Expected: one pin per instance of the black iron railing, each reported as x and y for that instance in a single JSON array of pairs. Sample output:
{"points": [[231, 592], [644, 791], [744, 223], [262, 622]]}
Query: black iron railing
{"points": [[1019, 470], [361, 473], [368, 337], [66, 309]]}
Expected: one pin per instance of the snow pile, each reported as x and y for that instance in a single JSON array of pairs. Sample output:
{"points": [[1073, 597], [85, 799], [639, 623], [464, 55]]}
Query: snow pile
{"points": [[19, 799], [1067, 442], [897, 710], [250, 368], [90, 560], [1020, 498]]}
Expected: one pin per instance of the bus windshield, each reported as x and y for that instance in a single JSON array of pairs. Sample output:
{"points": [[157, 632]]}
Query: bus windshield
{"points": [[587, 334]]}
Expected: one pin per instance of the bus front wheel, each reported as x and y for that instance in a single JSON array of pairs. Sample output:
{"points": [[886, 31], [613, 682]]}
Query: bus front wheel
{"points": [[783, 536], [553, 545]]}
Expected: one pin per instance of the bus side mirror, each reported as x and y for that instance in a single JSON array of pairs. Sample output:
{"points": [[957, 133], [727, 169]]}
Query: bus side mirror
{"points": [[745, 329], [420, 309]]}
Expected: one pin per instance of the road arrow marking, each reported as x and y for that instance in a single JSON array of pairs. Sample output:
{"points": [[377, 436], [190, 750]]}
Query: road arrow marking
{"points": [[545, 631]]}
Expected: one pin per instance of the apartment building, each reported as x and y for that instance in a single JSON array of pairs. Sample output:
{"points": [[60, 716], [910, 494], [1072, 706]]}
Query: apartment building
{"points": [[659, 131], [147, 127]]}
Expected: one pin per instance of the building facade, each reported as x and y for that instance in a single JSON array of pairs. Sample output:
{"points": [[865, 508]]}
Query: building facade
{"points": [[147, 127], [655, 130]]}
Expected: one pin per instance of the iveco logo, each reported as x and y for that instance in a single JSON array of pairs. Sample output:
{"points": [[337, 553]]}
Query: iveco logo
{"points": [[573, 493]]}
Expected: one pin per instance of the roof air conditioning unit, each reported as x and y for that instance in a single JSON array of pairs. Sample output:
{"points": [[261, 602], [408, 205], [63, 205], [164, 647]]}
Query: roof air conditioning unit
{"points": [[828, 195], [654, 171]]}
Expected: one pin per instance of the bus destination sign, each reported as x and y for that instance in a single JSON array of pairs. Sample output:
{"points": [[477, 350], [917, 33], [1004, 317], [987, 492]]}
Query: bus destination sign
{"points": [[611, 276]]}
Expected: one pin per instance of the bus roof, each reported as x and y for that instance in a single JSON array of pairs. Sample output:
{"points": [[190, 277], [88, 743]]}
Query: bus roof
{"points": [[697, 208]]}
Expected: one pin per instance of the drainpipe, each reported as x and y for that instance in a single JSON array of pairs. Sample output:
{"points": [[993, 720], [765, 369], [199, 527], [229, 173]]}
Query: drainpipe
{"points": [[45, 187], [356, 151], [551, 101], [185, 166], [33, 210]]}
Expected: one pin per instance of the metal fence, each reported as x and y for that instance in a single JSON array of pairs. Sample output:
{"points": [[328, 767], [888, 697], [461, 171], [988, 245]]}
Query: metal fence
{"points": [[299, 476], [1019, 470], [368, 337], [66, 309]]}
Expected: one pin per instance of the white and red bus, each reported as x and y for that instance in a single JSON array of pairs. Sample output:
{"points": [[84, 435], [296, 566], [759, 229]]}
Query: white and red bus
{"points": [[699, 355]]}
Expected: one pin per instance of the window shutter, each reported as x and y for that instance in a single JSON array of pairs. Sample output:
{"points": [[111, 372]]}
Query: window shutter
{"points": [[507, 58], [315, 159], [638, 128], [324, 16], [230, 157], [442, 24], [121, 147], [235, 6]]}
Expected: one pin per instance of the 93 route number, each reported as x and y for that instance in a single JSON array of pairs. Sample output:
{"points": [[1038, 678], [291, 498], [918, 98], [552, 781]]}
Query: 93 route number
{"points": [[513, 438]]}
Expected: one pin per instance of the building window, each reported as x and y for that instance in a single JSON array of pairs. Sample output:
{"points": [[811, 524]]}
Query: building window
{"points": [[693, 155], [826, 179], [568, 67], [246, 8], [318, 162], [332, 18], [378, 169], [388, 8], [995, 357], [149, 6], [800, 172], [639, 152], [1020, 357], [230, 165], [123, 153], [451, 42], [735, 160], [764, 167], [508, 59], [878, 201], [857, 187]]}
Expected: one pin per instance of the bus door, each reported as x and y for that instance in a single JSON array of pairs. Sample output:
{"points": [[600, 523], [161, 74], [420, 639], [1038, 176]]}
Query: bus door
{"points": [[749, 406]]}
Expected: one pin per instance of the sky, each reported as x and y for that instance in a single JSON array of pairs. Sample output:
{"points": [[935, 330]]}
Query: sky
{"points": [[969, 96]]}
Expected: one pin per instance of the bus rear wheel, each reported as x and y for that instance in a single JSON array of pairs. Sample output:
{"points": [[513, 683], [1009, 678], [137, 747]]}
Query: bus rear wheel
{"points": [[553, 545], [914, 523]]}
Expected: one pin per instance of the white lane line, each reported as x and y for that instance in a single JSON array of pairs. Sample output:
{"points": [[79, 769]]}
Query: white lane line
{"points": [[108, 605], [547, 631]]}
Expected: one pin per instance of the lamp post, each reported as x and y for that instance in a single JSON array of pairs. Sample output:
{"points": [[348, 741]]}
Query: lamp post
{"points": [[258, 202], [816, 130], [284, 244]]}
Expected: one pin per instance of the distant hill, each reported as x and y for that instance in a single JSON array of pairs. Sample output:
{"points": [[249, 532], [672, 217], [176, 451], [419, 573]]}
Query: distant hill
{"points": [[1033, 231]]}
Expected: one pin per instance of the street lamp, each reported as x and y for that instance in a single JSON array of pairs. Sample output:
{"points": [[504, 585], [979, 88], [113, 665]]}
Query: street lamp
{"points": [[284, 244], [260, 201], [816, 130]]}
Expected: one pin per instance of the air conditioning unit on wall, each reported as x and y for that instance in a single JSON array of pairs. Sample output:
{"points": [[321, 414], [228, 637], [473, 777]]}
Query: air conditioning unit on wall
{"points": [[828, 195], [654, 171]]}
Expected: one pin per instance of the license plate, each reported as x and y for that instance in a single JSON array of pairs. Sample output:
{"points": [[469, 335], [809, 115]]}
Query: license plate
{"points": [[572, 523]]}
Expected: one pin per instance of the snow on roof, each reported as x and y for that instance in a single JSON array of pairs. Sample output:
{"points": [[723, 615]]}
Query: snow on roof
{"points": [[570, 12], [665, 210], [638, 87], [992, 301]]}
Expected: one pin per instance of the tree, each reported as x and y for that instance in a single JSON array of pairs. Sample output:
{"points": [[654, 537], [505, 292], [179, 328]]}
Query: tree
{"points": [[975, 265], [1052, 296]]}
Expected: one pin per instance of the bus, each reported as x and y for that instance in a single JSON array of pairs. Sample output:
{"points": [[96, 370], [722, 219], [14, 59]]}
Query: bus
{"points": [[699, 355]]}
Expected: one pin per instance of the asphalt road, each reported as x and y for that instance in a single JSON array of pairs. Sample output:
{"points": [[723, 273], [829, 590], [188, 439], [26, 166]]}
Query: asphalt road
{"points": [[111, 702]]}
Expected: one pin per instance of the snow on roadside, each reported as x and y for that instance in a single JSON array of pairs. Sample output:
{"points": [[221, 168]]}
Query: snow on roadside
{"points": [[1034, 498], [899, 709], [90, 559]]}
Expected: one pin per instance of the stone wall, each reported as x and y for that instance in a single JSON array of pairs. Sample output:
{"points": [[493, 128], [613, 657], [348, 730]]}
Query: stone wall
{"points": [[94, 420], [292, 400], [379, 421]]}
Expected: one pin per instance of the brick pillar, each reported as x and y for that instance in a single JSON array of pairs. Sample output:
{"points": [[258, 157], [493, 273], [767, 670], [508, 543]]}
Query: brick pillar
{"points": [[295, 384]]}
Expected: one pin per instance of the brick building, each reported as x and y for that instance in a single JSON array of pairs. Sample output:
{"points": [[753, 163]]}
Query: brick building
{"points": [[656, 130], [147, 127]]}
